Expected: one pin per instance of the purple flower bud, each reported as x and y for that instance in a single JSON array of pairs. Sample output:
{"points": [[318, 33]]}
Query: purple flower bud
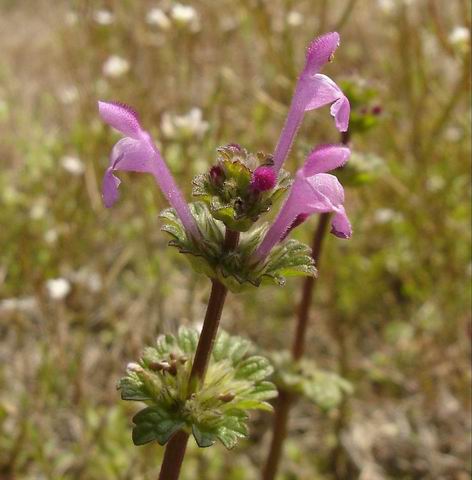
{"points": [[217, 175], [377, 110], [263, 179], [234, 147]]}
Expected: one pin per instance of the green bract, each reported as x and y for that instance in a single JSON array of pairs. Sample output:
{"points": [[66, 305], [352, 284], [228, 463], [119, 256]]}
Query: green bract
{"points": [[234, 269], [227, 191], [324, 389], [234, 384]]}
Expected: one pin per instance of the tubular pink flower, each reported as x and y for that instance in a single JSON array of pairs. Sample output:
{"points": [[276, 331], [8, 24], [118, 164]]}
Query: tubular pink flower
{"points": [[313, 191], [136, 152], [313, 91]]}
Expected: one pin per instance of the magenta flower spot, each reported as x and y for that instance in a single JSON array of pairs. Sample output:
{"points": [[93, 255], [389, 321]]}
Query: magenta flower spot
{"points": [[136, 152], [263, 179], [313, 191], [313, 91]]}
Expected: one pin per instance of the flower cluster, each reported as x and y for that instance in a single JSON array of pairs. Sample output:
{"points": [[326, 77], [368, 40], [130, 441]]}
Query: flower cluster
{"points": [[240, 187]]}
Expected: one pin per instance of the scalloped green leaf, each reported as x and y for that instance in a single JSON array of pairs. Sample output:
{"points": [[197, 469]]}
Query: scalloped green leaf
{"points": [[131, 389], [254, 368], [203, 438], [188, 340], [154, 424]]}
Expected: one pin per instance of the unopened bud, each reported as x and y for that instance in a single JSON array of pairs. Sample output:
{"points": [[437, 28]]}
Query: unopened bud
{"points": [[159, 366], [235, 147], [134, 367], [377, 110], [172, 368], [263, 179], [226, 397], [217, 175]]}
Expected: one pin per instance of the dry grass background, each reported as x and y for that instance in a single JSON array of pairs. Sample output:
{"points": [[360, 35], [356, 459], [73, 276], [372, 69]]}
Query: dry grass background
{"points": [[392, 311]]}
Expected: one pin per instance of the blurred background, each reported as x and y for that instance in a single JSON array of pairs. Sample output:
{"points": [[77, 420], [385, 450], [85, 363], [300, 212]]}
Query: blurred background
{"points": [[83, 289]]}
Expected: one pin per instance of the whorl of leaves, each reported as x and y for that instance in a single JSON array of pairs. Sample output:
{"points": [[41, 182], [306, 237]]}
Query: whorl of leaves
{"points": [[234, 269], [235, 383]]}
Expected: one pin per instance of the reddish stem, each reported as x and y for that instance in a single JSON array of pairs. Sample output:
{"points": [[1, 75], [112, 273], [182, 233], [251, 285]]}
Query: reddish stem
{"points": [[175, 449], [285, 399], [298, 346]]}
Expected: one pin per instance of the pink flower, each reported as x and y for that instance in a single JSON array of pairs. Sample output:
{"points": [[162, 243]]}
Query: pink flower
{"points": [[313, 91], [313, 191], [136, 152]]}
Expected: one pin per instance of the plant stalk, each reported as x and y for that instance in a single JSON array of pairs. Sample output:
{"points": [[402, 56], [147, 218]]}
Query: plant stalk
{"points": [[285, 399], [175, 449]]}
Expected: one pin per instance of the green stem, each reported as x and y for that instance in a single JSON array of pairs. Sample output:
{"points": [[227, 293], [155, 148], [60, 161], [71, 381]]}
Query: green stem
{"points": [[175, 449]]}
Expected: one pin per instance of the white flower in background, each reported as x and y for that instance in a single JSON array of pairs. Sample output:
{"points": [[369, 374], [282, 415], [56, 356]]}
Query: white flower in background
{"points": [[184, 126], [387, 6], [157, 17], [386, 215], [73, 165], [68, 94], [103, 17], [21, 304], [58, 288], [51, 236], [453, 134], [459, 36], [435, 183], [294, 18], [115, 66], [88, 279], [38, 210], [10, 195], [185, 16]]}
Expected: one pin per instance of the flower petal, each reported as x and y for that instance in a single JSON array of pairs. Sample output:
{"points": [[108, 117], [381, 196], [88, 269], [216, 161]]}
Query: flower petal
{"points": [[110, 186], [131, 155], [341, 226], [320, 51], [327, 190], [325, 158], [324, 91], [121, 117], [341, 110]]}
